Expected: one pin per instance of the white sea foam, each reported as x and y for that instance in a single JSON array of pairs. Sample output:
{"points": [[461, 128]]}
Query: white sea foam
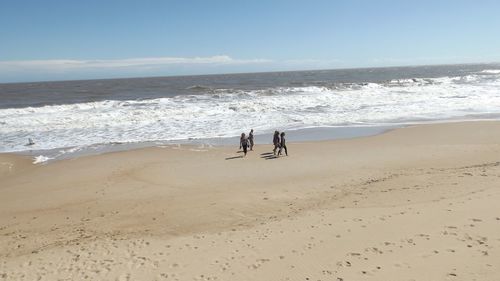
{"points": [[41, 159], [227, 112], [492, 71]]}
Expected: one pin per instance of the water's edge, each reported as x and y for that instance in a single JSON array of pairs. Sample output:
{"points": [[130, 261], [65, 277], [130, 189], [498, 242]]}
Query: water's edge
{"points": [[315, 134], [293, 136]]}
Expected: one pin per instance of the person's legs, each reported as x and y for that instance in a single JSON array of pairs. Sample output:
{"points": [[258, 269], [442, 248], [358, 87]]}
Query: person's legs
{"points": [[251, 144], [286, 150], [245, 149], [279, 151]]}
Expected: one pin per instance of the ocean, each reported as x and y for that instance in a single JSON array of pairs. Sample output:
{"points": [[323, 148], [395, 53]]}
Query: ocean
{"points": [[63, 118]]}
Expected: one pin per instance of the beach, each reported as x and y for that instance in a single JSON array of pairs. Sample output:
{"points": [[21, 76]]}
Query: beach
{"points": [[414, 203]]}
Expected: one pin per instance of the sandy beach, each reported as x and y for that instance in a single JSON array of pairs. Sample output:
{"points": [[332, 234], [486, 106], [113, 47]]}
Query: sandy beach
{"points": [[417, 203]]}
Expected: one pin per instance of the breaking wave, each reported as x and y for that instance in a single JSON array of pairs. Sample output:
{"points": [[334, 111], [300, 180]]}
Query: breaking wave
{"points": [[227, 112]]}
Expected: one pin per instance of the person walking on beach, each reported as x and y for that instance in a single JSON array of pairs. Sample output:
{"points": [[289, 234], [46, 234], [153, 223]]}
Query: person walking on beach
{"points": [[250, 139], [276, 141], [283, 144], [244, 143]]}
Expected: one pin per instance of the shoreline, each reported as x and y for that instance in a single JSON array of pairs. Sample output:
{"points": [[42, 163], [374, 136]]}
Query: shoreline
{"points": [[314, 134], [299, 135]]}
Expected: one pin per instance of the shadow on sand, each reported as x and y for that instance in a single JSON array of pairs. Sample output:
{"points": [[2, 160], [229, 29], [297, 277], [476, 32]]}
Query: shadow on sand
{"points": [[234, 157], [265, 156], [268, 156]]}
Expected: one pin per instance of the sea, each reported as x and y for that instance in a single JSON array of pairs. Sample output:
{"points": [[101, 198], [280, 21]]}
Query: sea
{"points": [[72, 118]]}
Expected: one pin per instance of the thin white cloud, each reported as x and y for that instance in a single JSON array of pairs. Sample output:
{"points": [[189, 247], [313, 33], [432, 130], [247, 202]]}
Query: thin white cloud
{"points": [[71, 69], [63, 64], [434, 60], [312, 61]]}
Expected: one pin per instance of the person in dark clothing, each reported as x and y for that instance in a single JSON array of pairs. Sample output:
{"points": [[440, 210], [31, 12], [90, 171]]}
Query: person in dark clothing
{"points": [[276, 141], [244, 143], [250, 139], [283, 144]]}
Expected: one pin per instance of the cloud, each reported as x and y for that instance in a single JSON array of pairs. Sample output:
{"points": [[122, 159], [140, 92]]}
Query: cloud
{"points": [[386, 61], [67, 64], [313, 61], [71, 69]]}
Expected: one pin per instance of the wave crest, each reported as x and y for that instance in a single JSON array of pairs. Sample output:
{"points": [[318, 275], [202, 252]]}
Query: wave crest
{"points": [[226, 112]]}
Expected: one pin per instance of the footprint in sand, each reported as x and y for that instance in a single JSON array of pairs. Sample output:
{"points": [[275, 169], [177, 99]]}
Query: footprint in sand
{"points": [[374, 250], [327, 272], [163, 275], [258, 263]]}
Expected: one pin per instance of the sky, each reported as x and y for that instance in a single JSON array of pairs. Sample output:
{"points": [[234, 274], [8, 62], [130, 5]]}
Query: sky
{"points": [[70, 39]]}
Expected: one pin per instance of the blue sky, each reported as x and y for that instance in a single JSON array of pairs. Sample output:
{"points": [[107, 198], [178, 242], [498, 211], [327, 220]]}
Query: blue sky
{"points": [[68, 39]]}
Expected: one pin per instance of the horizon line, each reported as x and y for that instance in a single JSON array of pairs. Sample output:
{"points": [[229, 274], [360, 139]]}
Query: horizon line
{"points": [[252, 72]]}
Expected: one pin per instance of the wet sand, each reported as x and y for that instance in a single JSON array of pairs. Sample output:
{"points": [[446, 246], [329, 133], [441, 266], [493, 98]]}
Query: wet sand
{"points": [[417, 203]]}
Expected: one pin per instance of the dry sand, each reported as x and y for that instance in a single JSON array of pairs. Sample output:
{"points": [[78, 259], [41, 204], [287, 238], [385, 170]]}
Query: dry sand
{"points": [[418, 203]]}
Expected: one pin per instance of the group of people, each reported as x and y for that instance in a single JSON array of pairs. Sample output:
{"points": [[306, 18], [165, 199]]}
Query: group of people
{"points": [[246, 142], [278, 141]]}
